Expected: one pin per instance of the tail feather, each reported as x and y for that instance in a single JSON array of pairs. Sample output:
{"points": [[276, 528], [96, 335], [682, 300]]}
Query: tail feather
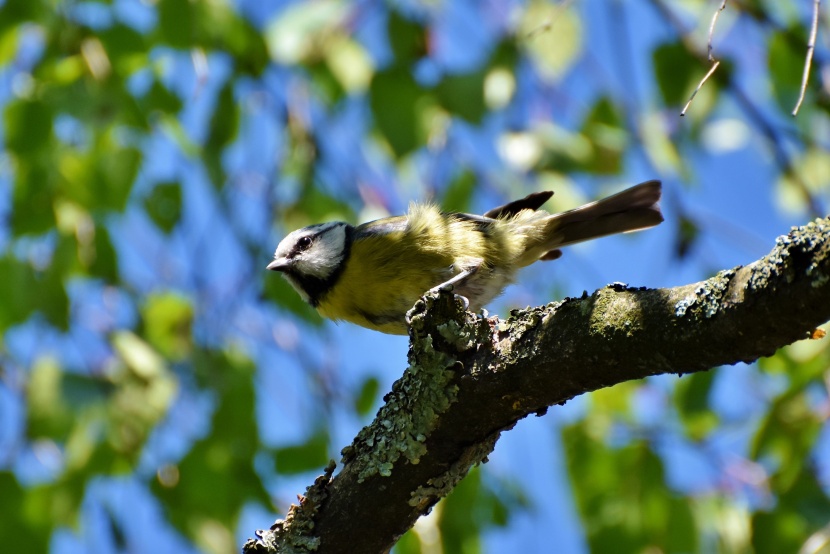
{"points": [[630, 210]]}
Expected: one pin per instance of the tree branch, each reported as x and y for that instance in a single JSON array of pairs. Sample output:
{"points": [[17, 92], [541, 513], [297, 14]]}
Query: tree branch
{"points": [[470, 379]]}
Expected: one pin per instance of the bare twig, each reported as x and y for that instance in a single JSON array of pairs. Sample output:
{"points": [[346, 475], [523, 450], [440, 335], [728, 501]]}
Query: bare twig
{"points": [[712, 30], [700, 84], [811, 46], [709, 55], [768, 129]]}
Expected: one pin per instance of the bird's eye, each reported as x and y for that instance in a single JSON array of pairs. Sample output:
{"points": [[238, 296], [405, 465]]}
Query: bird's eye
{"points": [[304, 243]]}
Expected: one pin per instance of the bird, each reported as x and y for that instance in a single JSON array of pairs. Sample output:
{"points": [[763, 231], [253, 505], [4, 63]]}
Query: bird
{"points": [[372, 274]]}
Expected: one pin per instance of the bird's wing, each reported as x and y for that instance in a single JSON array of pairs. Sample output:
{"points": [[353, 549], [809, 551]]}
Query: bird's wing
{"points": [[532, 201]]}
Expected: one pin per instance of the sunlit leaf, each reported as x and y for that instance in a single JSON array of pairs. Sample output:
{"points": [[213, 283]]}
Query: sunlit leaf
{"points": [[167, 321]]}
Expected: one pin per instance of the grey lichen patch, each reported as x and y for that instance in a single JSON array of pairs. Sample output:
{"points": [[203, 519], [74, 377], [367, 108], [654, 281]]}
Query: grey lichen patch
{"points": [[517, 326], [707, 297], [295, 533], [464, 337], [440, 486], [417, 399], [811, 241]]}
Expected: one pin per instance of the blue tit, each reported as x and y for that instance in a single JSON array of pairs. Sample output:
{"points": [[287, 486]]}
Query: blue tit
{"points": [[372, 274]]}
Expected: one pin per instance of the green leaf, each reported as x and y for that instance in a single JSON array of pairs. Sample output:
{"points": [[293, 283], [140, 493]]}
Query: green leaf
{"points": [[32, 196], [28, 127], [160, 98], [224, 126], [459, 193], [396, 101], [105, 261], [309, 455], [474, 506], [164, 206], [26, 291], [463, 95], [167, 318], [692, 400], [408, 39], [366, 396], [677, 72], [622, 497], [217, 477], [604, 128], [175, 22], [27, 526], [786, 66]]}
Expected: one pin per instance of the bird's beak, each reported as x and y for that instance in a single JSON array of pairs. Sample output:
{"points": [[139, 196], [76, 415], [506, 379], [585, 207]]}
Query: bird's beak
{"points": [[280, 264]]}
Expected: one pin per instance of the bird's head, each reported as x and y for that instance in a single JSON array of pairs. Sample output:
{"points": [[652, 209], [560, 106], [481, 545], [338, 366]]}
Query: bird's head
{"points": [[312, 258]]}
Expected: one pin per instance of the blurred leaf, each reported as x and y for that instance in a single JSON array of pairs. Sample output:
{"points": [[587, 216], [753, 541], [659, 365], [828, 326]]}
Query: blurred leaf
{"points": [[350, 63], [315, 206], [367, 396], [175, 22], [125, 47], [470, 509], [407, 38], [295, 35], [102, 178], [687, 235], [224, 125], [552, 33], [603, 127], [463, 95], [326, 83], [25, 291], [622, 497], [309, 455], [396, 101], [164, 205], [167, 318], [48, 414], [800, 510], [785, 69], [459, 193], [692, 401], [23, 528], [105, 261], [28, 126], [217, 477], [677, 72], [160, 98]]}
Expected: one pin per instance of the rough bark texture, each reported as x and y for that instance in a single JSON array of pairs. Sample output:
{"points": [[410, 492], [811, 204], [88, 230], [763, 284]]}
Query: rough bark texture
{"points": [[471, 379]]}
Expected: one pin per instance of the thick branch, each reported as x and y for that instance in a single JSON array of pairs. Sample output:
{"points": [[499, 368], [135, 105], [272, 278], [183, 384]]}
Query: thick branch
{"points": [[470, 379]]}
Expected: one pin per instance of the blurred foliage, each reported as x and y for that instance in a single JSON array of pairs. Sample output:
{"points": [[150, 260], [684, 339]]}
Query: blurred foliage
{"points": [[111, 111]]}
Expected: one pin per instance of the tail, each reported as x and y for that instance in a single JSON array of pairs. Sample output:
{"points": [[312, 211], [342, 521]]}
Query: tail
{"points": [[630, 210]]}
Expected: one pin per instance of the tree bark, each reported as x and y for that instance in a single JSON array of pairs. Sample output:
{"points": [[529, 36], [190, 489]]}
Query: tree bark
{"points": [[470, 379]]}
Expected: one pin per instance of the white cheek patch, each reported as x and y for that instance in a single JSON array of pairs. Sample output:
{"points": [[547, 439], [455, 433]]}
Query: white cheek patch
{"points": [[326, 254]]}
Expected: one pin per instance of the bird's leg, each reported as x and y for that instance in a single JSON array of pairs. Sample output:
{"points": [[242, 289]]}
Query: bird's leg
{"points": [[458, 281]]}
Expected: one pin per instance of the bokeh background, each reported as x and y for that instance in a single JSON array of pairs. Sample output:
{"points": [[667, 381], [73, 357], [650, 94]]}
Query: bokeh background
{"points": [[161, 392]]}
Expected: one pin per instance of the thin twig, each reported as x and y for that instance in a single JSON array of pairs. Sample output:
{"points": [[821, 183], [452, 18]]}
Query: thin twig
{"points": [[712, 30], [709, 55], [811, 46], [752, 111], [692, 97]]}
